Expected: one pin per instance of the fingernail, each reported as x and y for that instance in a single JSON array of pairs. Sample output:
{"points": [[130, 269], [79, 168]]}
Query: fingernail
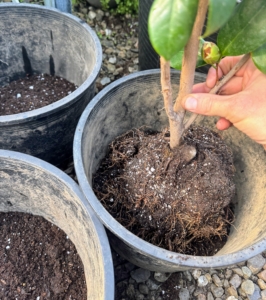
{"points": [[191, 104]]}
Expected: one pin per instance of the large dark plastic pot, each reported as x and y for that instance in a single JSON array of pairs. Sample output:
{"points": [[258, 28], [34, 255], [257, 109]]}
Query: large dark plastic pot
{"points": [[36, 39], [136, 100], [30, 185]]}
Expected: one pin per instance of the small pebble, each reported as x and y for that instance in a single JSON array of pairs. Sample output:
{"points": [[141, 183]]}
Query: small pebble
{"points": [[248, 287]]}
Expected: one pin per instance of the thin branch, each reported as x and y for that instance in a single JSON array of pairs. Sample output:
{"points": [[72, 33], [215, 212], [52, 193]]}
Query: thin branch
{"points": [[230, 74], [166, 86], [187, 75], [175, 122], [221, 83], [190, 56]]}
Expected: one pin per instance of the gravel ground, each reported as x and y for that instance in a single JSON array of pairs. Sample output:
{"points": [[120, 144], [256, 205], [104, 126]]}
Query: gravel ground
{"points": [[119, 39]]}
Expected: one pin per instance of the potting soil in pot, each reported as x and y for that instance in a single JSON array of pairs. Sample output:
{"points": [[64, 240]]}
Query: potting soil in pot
{"points": [[37, 260], [32, 92], [178, 200]]}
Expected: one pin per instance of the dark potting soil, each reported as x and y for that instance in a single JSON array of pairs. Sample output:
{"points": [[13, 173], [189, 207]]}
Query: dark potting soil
{"points": [[32, 92], [38, 261], [178, 200]]}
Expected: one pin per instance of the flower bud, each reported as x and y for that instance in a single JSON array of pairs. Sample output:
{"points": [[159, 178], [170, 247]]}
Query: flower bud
{"points": [[210, 53]]}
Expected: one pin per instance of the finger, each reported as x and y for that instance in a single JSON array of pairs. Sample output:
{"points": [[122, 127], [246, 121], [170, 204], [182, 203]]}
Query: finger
{"points": [[200, 88], [212, 76], [210, 105], [233, 86], [224, 66], [223, 124], [205, 87], [227, 63]]}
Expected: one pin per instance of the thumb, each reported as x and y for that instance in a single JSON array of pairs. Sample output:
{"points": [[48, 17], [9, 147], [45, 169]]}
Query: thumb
{"points": [[209, 104]]}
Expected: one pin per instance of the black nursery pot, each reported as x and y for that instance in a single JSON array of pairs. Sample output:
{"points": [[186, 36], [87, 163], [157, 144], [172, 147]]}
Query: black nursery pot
{"points": [[31, 185], [36, 39], [134, 101]]}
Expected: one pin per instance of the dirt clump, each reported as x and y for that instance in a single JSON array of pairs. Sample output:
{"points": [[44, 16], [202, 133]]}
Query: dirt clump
{"points": [[179, 200]]}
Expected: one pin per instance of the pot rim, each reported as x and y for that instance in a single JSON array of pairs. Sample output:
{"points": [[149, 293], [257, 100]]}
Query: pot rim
{"points": [[69, 99], [180, 260], [73, 186]]}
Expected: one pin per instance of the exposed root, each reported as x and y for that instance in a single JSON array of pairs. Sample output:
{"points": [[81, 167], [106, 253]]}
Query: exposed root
{"points": [[178, 200]]}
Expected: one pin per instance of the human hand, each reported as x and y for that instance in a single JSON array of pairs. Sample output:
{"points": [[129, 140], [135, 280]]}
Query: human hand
{"points": [[241, 102]]}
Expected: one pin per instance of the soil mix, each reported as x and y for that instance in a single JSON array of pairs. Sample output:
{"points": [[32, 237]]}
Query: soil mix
{"points": [[178, 200], [32, 92], [37, 260]]}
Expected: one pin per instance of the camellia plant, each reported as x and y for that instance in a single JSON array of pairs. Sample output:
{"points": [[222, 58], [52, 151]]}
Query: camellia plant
{"points": [[176, 33]]}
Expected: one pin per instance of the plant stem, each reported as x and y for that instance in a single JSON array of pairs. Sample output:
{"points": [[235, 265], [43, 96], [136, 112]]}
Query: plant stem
{"points": [[230, 74], [166, 87], [187, 74], [175, 121], [221, 83]]}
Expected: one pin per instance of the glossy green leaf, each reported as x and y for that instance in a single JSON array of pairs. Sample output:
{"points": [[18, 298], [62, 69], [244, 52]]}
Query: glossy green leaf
{"points": [[218, 14], [170, 24], [246, 29], [259, 58], [176, 60]]}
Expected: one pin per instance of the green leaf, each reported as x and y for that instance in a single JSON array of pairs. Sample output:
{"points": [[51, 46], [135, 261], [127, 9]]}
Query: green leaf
{"points": [[218, 14], [176, 60], [246, 29], [170, 24], [259, 58]]}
